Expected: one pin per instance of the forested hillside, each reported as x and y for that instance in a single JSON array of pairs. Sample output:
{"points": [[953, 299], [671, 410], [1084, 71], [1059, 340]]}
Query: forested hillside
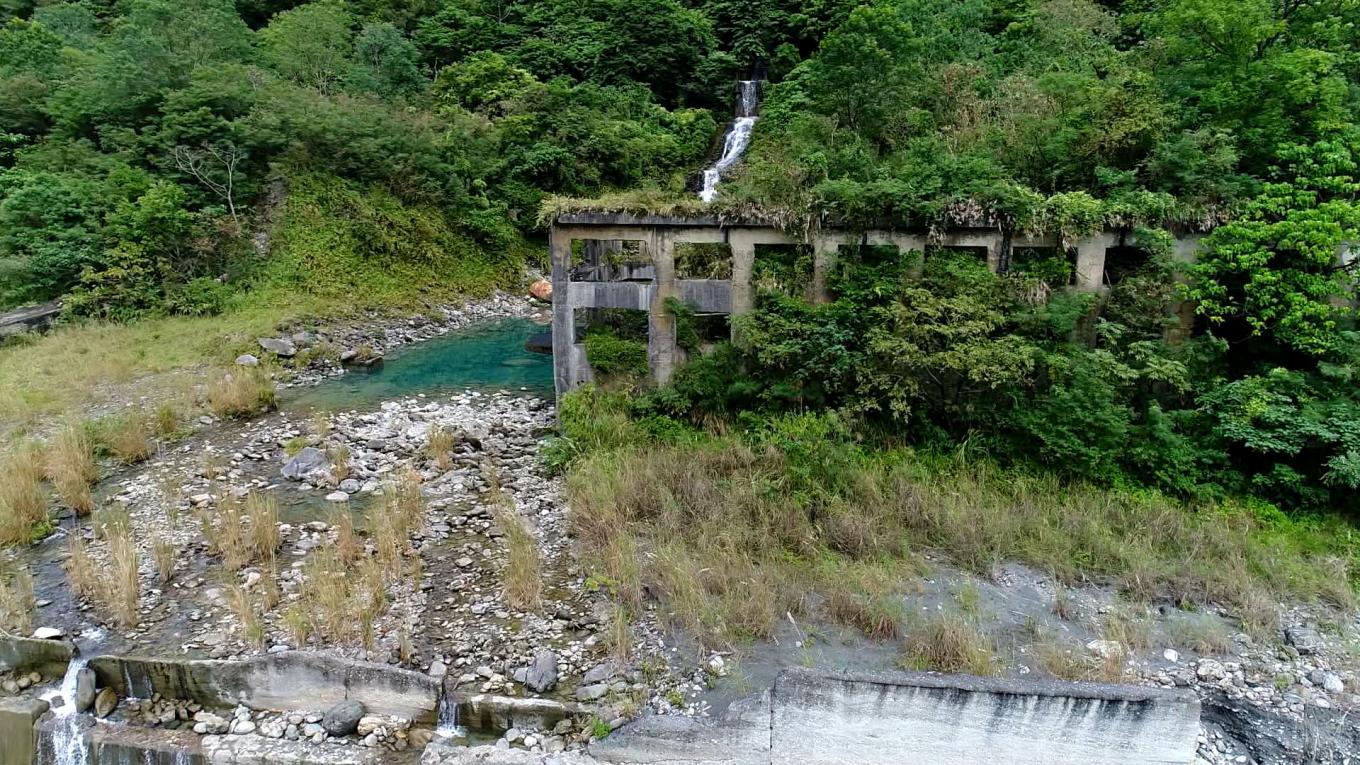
{"points": [[162, 157]]}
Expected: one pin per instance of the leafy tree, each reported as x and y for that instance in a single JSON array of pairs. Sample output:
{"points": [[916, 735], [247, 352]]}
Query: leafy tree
{"points": [[386, 63], [1270, 278], [310, 45]]}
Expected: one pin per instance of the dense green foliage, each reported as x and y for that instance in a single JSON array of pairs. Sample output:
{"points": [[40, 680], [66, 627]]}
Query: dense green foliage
{"points": [[163, 157], [149, 149]]}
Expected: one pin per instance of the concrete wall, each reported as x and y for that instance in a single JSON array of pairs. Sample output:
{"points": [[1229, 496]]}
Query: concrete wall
{"points": [[921, 718], [47, 657], [293, 680], [17, 738], [816, 718]]}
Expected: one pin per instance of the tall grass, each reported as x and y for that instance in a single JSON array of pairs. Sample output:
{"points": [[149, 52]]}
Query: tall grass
{"points": [[23, 503], [130, 437], [16, 602], [733, 532], [71, 467], [523, 576], [122, 586], [262, 539], [241, 393]]}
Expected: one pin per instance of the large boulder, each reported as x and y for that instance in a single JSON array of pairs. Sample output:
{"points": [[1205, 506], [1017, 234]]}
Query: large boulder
{"points": [[279, 346], [304, 462], [542, 674], [541, 289], [343, 718]]}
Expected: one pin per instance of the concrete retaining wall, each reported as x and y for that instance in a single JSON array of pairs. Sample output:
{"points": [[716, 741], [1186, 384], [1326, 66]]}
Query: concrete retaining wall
{"points": [[17, 739], [293, 680], [926, 719], [817, 718], [21, 654]]}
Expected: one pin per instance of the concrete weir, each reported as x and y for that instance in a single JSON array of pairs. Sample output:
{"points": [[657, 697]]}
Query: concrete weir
{"points": [[819, 718], [647, 286]]}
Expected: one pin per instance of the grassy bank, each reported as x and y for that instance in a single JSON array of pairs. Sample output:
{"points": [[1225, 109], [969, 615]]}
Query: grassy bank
{"points": [[337, 249], [735, 530]]}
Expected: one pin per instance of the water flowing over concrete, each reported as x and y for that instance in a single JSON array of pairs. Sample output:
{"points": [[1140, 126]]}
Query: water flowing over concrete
{"points": [[67, 739], [737, 139]]}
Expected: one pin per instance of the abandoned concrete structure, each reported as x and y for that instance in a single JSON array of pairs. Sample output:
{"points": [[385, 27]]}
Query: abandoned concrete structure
{"points": [[645, 285]]}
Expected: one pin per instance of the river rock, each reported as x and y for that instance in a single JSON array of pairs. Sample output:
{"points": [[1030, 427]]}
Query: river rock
{"points": [[247, 360], [343, 718], [541, 289], [337, 496], [85, 689], [600, 673], [1304, 638], [305, 462], [279, 346], [105, 702], [350, 486], [542, 674], [48, 633], [592, 692]]}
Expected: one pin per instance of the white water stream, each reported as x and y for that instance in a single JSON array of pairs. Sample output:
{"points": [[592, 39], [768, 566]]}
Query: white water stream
{"points": [[737, 139], [68, 736]]}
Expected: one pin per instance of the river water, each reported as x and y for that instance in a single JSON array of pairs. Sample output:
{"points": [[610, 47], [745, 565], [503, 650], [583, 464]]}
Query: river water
{"points": [[489, 356]]}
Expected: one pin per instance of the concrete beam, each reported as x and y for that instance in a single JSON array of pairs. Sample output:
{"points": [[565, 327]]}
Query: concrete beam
{"points": [[630, 295], [706, 295]]}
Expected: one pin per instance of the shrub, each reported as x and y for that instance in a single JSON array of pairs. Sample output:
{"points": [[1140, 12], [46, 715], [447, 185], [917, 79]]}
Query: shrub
{"points": [[610, 354]]}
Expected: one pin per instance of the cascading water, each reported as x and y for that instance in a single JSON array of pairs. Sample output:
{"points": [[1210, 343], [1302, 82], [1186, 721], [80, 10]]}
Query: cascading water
{"points": [[68, 736], [448, 726], [737, 139]]}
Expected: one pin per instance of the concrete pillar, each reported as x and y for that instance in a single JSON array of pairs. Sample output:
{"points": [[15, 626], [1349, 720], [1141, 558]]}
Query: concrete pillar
{"points": [[825, 253], [564, 320], [662, 353], [1183, 252], [1091, 260], [743, 266]]}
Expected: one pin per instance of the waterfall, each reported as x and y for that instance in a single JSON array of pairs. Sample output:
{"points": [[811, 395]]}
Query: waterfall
{"points": [[68, 736], [737, 139], [447, 726]]}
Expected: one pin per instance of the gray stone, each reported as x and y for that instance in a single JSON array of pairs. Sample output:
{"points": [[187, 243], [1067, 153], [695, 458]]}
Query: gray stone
{"points": [[1305, 639], [85, 690], [306, 461], [47, 633], [592, 692], [350, 486], [279, 346], [343, 718], [600, 673], [105, 702], [247, 360], [541, 676]]}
